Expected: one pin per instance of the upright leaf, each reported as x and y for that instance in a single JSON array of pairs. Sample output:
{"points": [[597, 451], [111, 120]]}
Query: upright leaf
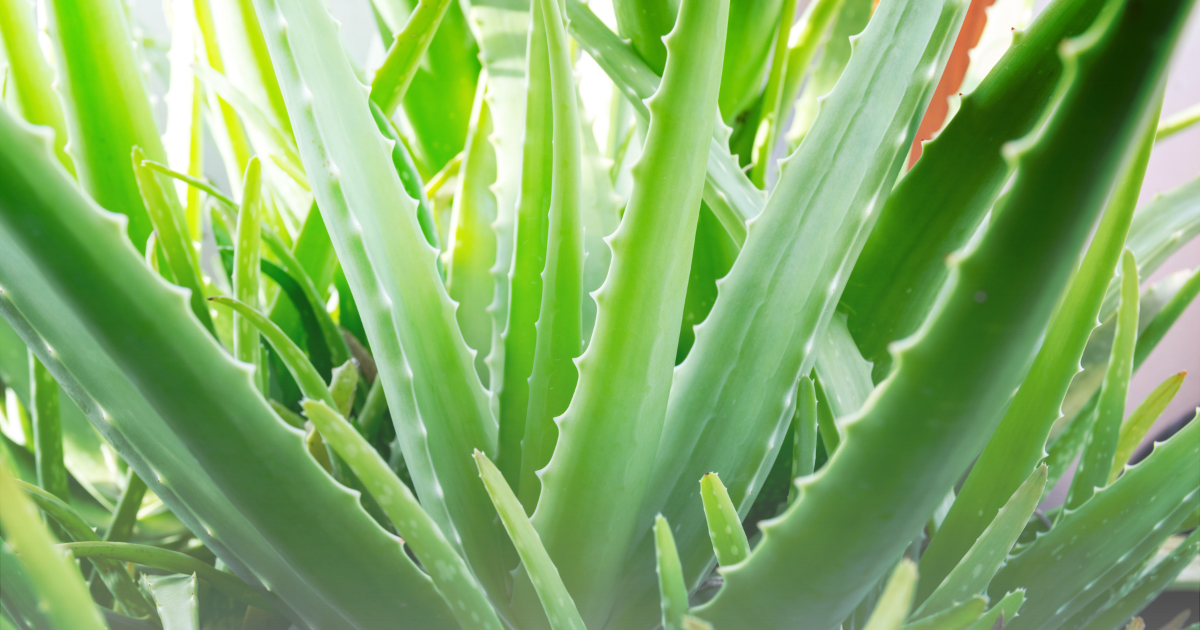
{"points": [[975, 571], [971, 354], [556, 601], [247, 253], [1091, 548], [610, 430], [1138, 424], [404, 54], [446, 568], [671, 586], [29, 75], [897, 598], [761, 336], [1101, 444], [724, 526], [1019, 441], [529, 252], [427, 368], [107, 107], [931, 214], [472, 246], [559, 326]]}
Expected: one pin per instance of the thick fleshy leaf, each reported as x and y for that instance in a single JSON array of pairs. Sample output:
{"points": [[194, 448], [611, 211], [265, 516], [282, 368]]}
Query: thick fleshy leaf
{"points": [[963, 357], [975, 570], [200, 428], [762, 336], [931, 213], [393, 275], [559, 607], [1019, 441], [446, 568], [1091, 548], [176, 599], [1096, 463], [609, 433]]}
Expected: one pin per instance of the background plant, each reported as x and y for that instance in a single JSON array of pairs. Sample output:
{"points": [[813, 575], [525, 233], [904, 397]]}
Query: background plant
{"points": [[437, 360]]}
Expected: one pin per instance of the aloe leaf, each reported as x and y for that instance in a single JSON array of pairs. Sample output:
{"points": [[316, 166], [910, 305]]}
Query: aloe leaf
{"points": [[747, 51], [449, 572], [529, 253], [929, 215], [671, 586], [168, 560], [727, 191], [844, 375], [952, 359], [120, 526], [394, 278], [1020, 438], [1139, 592], [409, 177], [1089, 549], [556, 601], [307, 377], [247, 520], [1166, 317], [472, 246], [559, 326], [724, 525], [30, 75], [1178, 122], [175, 597], [107, 109], [645, 24], [812, 227], [502, 30], [1161, 304], [897, 598], [977, 567], [1102, 440], [438, 101], [62, 595], [1002, 613], [835, 54], [954, 617], [247, 252], [342, 386], [47, 430], [172, 236], [789, 65], [772, 100], [396, 73], [1066, 445], [613, 423], [114, 576], [805, 430]]}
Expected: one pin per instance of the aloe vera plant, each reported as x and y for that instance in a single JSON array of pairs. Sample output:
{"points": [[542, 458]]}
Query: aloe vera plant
{"points": [[446, 357]]}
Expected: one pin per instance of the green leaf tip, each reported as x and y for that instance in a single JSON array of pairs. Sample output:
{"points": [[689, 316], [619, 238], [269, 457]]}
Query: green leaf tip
{"points": [[724, 526], [897, 598]]}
